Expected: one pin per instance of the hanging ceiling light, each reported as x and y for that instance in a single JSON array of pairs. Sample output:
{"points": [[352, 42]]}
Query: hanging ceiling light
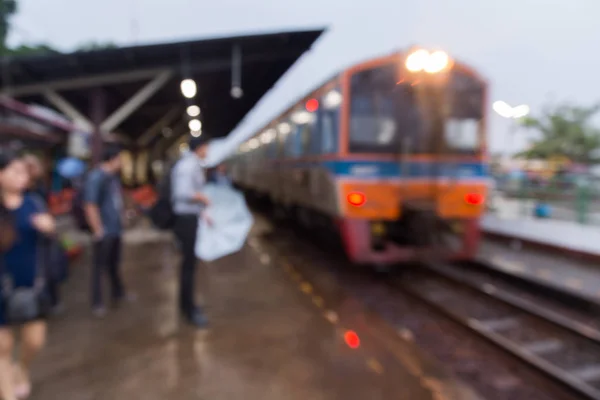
{"points": [[236, 72], [188, 88], [193, 111], [195, 125], [236, 92]]}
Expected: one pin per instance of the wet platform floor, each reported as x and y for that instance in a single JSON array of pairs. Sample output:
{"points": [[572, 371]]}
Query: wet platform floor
{"points": [[265, 341]]}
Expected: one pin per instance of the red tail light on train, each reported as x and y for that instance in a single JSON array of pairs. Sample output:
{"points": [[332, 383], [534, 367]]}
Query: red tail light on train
{"points": [[357, 199], [474, 199]]}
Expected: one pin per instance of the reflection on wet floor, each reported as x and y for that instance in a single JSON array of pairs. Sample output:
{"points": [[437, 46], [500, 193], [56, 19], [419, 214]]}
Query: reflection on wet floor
{"points": [[265, 342]]}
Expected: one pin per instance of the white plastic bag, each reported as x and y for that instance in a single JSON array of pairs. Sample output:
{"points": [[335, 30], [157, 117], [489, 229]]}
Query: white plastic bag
{"points": [[230, 223]]}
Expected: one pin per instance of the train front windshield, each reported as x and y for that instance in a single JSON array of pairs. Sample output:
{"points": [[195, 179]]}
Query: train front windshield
{"points": [[386, 117]]}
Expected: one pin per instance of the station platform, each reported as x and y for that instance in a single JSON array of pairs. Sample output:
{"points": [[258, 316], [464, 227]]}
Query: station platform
{"points": [[267, 340], [560, 235], [575, 276], [514, 219]]}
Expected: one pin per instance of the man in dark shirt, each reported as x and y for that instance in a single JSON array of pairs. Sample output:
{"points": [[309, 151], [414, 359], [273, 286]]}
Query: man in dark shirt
{"points": [[104, 210]]}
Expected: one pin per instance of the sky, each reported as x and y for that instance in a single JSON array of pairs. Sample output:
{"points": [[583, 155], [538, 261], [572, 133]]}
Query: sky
{"points": [[534, 52]]}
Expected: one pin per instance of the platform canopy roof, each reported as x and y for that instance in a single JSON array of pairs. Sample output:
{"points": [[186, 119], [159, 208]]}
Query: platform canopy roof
{"points": [[141, 84]]}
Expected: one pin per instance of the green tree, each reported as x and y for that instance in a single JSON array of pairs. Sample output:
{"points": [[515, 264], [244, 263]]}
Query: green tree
{"points": [[28, 49], [8, 8], [566, 131], [93, 45]]}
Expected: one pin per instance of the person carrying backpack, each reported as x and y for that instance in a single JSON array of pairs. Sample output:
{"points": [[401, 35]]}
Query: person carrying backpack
{"points": [[187, 179], [103, 206]]}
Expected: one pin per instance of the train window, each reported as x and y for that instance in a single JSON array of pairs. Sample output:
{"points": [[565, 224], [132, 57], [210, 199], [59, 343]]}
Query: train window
{"points": [[462, 135], [293, 145], [381, 111], [465, 96], [328, 122], [272, 148], [305, 132]]}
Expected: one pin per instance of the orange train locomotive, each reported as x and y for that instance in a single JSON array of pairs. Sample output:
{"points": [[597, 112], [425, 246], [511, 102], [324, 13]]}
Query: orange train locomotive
{"points": [[390, 152]]}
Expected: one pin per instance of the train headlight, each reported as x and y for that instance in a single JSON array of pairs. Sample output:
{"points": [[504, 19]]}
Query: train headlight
{"points": [[437, 61], [422, 60], [417, 60]]}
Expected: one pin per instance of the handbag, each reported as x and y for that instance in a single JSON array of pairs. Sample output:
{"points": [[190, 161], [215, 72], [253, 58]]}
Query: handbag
{"points": [[25, 304]]}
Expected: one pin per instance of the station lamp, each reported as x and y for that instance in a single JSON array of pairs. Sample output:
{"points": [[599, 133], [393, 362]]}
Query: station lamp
{"points": [[188, 88], [193, 111], [195, 125], [506, 111], [236, 92]]}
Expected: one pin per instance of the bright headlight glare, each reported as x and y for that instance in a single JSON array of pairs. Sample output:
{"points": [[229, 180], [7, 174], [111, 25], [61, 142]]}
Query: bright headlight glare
{"points": [[417, 60], [436, 62]]}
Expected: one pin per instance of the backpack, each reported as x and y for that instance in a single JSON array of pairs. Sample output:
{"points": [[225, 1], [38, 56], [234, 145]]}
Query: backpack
{"points": [[78, 207], [161, 214]]}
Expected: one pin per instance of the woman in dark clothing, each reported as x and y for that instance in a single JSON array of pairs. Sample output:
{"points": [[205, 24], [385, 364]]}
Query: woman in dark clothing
{"points": [[19, 266]]}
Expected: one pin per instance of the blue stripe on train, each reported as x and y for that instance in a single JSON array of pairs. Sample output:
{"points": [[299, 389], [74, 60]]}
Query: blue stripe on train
{"points": [[391, 169]]}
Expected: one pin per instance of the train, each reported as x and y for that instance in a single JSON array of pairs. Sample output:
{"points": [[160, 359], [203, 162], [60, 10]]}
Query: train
{"points": [[389, 154]]}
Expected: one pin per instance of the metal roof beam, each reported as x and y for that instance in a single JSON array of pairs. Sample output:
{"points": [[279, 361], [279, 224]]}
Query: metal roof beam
{"points": [[75, 115], [155, 129], [136, 101], [85, 82], [68, 109], [142, 74]]}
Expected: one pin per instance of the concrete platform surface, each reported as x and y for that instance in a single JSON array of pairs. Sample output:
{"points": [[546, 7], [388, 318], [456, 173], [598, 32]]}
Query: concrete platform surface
{"points": [[266, 341]]}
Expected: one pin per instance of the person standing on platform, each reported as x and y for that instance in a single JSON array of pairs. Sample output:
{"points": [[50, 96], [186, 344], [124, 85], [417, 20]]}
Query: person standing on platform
{"points": [[187, 181], [104, 212], [22, 223]]}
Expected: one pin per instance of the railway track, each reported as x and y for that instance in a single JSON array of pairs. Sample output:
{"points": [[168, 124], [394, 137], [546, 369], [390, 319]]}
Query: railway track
{"points": [[561, 347], [482, 363]]}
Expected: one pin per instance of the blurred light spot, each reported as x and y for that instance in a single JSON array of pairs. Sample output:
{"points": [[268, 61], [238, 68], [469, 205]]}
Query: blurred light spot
{"points": [[331, 316], [306, 287], [318, 301], [406, 334], [474, 199], [375, 366], [352, 339], [357, 199], [312, 105]]}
